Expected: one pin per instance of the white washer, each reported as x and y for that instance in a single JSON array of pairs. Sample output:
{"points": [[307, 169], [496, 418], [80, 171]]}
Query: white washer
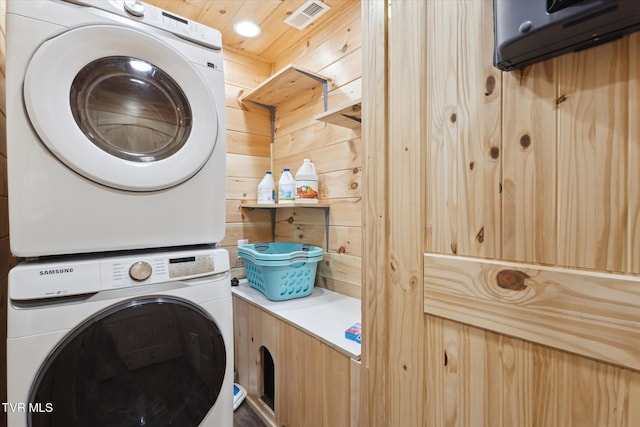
{"points": [[115, 128], [140, 339]]}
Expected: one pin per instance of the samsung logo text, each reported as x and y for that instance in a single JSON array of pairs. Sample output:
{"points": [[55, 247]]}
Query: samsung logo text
{"points": [[56, 271]]}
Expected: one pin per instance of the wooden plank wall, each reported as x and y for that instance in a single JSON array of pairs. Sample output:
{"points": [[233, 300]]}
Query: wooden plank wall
{"points": [[334, 51], [374, 393], [248, 155], [533, 166]]}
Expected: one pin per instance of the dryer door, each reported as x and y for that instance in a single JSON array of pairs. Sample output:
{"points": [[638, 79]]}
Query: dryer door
{"points": [[121, 108], [155, 361]]}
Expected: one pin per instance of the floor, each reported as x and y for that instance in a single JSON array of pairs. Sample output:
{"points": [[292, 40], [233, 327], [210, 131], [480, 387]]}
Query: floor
{"points": [[244, 416]]}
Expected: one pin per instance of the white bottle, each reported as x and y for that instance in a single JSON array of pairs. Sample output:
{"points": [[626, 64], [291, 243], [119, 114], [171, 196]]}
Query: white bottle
{"points": [[266, 189], [286, 188], [307, 183]]}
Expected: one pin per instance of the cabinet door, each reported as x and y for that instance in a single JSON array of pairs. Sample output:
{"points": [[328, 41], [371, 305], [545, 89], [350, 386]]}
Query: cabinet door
{"points": [[312, 381], [253, 329]]}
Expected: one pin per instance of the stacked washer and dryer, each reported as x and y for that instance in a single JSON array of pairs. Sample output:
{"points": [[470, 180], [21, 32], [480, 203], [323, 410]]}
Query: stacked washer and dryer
{"points": [[120, 310]]}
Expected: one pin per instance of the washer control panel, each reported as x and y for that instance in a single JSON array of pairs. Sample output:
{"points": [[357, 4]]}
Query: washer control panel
{"points": [[161, 268], [37, 280], [189, 266]]}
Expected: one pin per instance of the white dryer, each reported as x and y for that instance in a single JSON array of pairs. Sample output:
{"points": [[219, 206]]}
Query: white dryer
{"points": [[115, 128], [135, 340]]}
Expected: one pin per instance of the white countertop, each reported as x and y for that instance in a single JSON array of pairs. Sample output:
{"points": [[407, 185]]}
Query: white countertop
{"points": [[324, 314]]}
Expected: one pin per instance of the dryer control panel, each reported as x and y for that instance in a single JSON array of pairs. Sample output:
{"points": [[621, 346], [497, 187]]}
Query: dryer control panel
{"points": [[159, 18], [38, 280]]}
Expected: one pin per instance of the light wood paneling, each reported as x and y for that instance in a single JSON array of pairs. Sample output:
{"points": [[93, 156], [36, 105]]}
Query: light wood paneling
{"points": [[374, 393], [478, 106], [485, 379], [592, 151], [529, 165], [441, 172], [568, 156], [633, 261], [334, 51], [305, 139], [248, 157], [277, 37], [339, 35], [404, 151], [600, 317]]}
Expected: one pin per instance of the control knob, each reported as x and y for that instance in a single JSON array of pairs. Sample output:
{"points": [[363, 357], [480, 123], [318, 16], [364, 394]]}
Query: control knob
{"points": [[140, 271], [134, 7]]}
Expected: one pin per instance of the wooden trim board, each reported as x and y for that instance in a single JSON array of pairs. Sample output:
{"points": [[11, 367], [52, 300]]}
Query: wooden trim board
{"points": [[590, 313]]}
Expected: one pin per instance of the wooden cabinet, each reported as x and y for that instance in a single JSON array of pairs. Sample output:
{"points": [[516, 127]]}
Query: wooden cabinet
{"points": [[254, 331], [313, 382]]}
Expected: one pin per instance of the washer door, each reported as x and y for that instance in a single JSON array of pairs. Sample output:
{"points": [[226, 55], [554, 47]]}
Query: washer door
{"points": [[120, 107], [155, 361]]}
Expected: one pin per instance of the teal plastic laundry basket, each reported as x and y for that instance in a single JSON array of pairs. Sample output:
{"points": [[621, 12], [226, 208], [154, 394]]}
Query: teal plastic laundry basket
{"points": [[281, 271]]}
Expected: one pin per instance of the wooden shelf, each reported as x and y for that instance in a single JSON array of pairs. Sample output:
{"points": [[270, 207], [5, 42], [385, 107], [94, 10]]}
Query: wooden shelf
{"points": [[348, 116], [285, 85], [283, 205]]}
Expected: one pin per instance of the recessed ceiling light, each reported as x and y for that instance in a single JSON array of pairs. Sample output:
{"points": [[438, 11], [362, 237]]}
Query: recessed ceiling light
{"points": [[247, 29]]}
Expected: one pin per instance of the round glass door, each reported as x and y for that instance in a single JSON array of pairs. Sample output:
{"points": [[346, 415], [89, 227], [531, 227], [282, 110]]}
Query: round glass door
{"points": [[130, 108], [124, 108], [154, 361]]}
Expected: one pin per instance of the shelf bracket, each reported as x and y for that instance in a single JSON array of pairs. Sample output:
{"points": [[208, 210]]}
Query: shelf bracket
{"points": [[272, 111], [325, 86]]}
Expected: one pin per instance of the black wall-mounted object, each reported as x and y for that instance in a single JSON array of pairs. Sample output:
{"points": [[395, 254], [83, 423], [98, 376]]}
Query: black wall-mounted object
{"points": [[529, 31]]}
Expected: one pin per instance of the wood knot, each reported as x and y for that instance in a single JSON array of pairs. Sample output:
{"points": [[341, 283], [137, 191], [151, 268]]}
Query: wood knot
{"points": [[512, 279], [453, 118], [354, 185], [494, 152], [454, 248], [342, 250], [413, 282], [480, 235], [525, 141], [290, 220], [561, 99], [472, 165], [489, 85]]}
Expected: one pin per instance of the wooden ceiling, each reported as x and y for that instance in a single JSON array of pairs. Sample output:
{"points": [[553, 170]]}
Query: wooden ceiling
{"points": [[276, 36]]}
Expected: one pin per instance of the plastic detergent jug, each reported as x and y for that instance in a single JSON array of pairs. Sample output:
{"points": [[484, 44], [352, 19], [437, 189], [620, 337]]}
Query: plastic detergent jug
{"points": [[286, 188], [266, 189], [307, 183]]}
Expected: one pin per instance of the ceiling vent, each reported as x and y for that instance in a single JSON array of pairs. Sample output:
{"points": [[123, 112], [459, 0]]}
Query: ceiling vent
{"points": [[306, 14]]}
